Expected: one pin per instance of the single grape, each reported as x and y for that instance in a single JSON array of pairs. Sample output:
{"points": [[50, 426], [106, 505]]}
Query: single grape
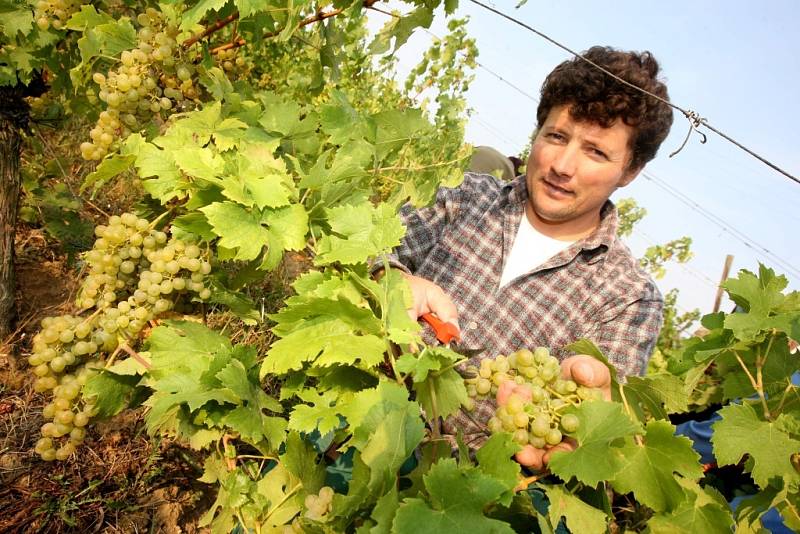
{"points": [[570, 423], [553, 437]]}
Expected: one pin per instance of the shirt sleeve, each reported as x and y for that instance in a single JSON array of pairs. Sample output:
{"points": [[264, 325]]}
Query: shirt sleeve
{"points": [[425, 226], [627, 334]]}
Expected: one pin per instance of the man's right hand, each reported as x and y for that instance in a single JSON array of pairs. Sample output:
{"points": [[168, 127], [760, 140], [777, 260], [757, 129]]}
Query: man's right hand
{"points": [[430, 298]]}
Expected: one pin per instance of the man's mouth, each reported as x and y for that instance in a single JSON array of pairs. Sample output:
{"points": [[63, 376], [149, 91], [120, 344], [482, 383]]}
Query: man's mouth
{"points": [[555, 190]]}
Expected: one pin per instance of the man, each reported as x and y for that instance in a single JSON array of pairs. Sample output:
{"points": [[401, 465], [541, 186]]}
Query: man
{"points": [[536, 261]]}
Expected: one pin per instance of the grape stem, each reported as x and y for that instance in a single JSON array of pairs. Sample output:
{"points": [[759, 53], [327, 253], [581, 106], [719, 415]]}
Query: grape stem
{"points": [[285, 498], [523, 484], [135, 355], [435, 423], [757, 385], [789, 387], [637, 438], [113, 356]]}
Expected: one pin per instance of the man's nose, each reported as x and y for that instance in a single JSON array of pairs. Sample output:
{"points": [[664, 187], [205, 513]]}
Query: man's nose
{"points": [[566, 161]]}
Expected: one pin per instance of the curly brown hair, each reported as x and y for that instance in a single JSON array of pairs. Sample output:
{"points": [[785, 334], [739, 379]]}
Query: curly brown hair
{"points": [[596, 97]]}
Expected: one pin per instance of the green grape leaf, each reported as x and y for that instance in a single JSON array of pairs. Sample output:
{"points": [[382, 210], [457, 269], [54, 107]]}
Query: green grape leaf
{"points": [[395, 128], [320, 414], [88, 17], [277, 487], [234, 489], [495, 458], [184, 346], [288, 225], [457, 500], [253, 426], [339, 119], [131, 366], [199, 162], [387, 393], [111, 392], [204, 437], [235, 377], [168, 182], [741, 431], [301, 460], [195, 14], [400, 29], [360, 232], [764, 305], [757, 294], [417, 366], [596, 458], [194, 223], [441, 393], [15, 18], [107, 169], [261, 191], [197, 126], [580, 517], [323, 341], [656, 395], [299, 310], [280, 116], [649, 470], [384, 512], [228, 133], [239, 229], [238, 303], [394, 433], [704, 510]]}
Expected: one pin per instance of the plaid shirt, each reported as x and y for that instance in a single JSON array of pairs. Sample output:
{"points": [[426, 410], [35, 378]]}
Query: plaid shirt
{"points": [[593, 289]]}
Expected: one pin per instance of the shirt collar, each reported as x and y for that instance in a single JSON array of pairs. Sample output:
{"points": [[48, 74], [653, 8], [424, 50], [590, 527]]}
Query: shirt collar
{"points": [[603, 235]]}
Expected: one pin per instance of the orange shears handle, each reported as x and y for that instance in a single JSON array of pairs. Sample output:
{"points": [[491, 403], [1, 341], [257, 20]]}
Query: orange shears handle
{"points": [[445, 332]]}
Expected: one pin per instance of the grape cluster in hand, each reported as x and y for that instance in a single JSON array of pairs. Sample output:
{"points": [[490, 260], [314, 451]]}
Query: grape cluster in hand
{"points": [[135, 274], [532, 397]]}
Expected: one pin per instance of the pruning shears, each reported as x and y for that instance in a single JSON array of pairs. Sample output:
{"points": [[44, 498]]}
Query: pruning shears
{"points": [[449, 335]]}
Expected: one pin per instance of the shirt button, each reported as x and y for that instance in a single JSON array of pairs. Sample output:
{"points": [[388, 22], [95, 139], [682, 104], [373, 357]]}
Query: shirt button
{"points": [[473, 325]]}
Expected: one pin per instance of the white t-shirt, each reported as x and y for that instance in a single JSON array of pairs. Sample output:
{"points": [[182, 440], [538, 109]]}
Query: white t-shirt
{"points": [[530, 249]]}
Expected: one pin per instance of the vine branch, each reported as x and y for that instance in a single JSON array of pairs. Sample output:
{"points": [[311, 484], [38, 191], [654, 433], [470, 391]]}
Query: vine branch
{"points": [[211, 29], [318, 17]]}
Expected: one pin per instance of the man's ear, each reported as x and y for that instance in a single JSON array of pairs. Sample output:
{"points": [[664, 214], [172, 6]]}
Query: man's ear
{"points": [[629, 176]]}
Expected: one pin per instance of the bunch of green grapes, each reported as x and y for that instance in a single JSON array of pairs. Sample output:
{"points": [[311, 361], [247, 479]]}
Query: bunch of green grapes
{"points": [[135, 274], [318, 506], [154, 78], [55, 13], [232, 62], [531, 395]]}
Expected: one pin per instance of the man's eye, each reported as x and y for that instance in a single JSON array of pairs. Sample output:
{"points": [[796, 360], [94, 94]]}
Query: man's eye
{"points": [[599, 153], [555, 136]]}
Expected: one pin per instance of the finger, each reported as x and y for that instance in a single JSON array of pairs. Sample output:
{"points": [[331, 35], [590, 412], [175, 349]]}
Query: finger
{"points": [[439, 303], [524, 391], [504, 391], [563, 446], [530, 456], [586, 371]]}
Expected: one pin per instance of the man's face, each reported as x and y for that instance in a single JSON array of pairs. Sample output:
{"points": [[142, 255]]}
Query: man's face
{"points": [[574, 167]]}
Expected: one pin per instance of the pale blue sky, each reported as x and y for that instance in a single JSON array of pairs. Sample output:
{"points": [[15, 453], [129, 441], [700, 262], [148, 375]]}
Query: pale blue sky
{"points": [[734, 62]]}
